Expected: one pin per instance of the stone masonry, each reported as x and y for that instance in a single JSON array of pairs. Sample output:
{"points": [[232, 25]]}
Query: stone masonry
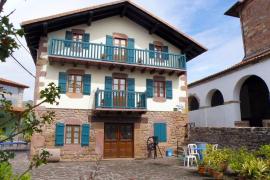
{"points": [[251, 138], [176, 131]]}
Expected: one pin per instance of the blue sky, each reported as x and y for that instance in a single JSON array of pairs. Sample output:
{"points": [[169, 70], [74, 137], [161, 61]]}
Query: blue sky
{"points": [[203, 20]]}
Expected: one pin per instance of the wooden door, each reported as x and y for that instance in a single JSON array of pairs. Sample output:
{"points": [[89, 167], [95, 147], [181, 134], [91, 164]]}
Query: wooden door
{"points": [[118, 140], [119, 93], [120, 51]]}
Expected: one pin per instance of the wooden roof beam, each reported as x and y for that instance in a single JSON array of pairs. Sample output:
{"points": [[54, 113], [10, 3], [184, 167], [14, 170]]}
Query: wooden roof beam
{"points": [[45, 29], [123, 12], [90, 18], [154, 28]]}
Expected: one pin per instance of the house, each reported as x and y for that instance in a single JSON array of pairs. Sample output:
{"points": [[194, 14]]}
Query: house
{"points": [[238, 96], [122, 75], [14, 93]]}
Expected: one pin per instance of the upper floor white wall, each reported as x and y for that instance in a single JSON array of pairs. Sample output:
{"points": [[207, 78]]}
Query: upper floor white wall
{"points": [[98, 81], [116, 24]]}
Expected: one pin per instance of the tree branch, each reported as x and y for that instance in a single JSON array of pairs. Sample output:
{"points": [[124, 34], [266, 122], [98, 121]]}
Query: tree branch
{"points": [[2, 3]]}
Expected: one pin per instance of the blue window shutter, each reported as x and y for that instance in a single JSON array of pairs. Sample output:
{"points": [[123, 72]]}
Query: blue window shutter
{"points": [[160, 130], [131, 52], [86, 84], [59, 134], [165, 54], [86, 38], [109, 48], [169, 93], [149, 88], [108, 92], [85, 135], [69, 38], [151, 52], [62, 82], [131, 92]]}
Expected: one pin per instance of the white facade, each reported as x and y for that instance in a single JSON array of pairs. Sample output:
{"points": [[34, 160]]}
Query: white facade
{"points": [[98, 31], [229, 84], [15, 96]]}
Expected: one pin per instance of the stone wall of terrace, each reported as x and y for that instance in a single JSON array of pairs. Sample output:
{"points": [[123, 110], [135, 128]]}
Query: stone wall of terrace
{"points": [[251, 138]]}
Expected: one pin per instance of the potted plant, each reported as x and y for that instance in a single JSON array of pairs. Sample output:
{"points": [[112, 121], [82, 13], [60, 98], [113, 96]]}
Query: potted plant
{"points": [[201, 168]]}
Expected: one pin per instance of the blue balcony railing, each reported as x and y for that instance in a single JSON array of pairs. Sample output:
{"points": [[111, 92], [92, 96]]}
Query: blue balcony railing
{"points": [[112, 99], [103, 52]]}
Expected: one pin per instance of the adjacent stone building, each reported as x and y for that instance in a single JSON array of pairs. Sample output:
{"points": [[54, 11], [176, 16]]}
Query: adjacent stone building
{"points": [[122, 75], [239, 95]]}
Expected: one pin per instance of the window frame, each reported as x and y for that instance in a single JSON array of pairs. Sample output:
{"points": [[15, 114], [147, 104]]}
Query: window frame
{"points": [[158, 49], [157, 88], [72, 134], [74, 83]]}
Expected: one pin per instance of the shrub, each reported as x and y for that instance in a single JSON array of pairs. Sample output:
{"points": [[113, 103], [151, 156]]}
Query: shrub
{"points": [[255, 169], [6, 173], [264, 151]]}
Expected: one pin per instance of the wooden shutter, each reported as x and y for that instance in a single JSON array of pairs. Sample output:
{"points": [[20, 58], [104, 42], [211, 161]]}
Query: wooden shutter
{"points": [[108, 92], [131, 51], [149, 88], [59, 134], [86, 38], [85, 135], [169, 93], [131, 92], [68, 37], [151, 52], [62, 82], [160, 130], [109, 48], [165, 54], [86, 84]]}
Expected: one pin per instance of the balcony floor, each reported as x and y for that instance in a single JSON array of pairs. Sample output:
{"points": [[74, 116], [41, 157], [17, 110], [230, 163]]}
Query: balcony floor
{"points": [[111, 65]]}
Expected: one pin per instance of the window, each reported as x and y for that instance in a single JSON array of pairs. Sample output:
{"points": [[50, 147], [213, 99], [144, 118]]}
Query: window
{"points": [[159, 89], [74, 83], [217, 99], [158, 52], [72, 134], [77, 36], [193, 103]]}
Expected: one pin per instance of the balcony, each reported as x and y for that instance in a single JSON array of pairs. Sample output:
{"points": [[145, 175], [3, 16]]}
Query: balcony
{"points": [[113, 56], [112, 100]]}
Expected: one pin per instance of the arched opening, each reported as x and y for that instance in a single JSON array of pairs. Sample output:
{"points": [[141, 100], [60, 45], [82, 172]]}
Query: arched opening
{"points": [[217, 99], [193, 103], [254, 101]]}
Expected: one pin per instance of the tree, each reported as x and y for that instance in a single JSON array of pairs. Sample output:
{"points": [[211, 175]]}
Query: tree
{"points": [[26, 122]]}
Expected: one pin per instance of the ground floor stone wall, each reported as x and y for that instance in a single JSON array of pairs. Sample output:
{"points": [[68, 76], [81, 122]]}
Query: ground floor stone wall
{"points": [[143, 128], [251, 138]]}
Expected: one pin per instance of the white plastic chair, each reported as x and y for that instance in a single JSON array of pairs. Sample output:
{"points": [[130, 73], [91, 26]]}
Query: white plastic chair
{"points": [[189, 158], [215, 147], [192, 150]]}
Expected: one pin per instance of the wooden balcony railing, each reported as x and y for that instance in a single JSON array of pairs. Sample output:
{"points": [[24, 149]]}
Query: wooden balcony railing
{"points": [[103, 52], [112, 99]]}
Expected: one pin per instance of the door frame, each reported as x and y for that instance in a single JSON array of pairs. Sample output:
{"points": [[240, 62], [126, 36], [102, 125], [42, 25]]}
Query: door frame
{"points": [[118, 125]]}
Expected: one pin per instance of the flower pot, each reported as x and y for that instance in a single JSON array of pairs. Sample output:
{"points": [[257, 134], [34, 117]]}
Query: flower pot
{"points": [[201, 170], [218, 175], [240, 177], [210, 171]]}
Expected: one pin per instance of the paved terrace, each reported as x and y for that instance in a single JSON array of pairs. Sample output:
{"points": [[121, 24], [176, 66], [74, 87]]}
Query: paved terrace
{"points": [[160, 169]]}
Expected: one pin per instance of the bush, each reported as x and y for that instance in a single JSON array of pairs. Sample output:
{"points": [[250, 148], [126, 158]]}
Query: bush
{"points": [[255, 169], [264, 151], [6, 173]]}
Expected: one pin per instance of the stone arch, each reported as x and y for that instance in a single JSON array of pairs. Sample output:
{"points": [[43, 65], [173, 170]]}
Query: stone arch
{"points": [[253, 95], [193, 103], [214, 98]]}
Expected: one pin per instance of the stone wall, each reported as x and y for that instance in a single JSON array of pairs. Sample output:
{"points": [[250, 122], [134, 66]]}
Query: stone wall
{"points": [[176, 131], [251, 138], [256, 25]]}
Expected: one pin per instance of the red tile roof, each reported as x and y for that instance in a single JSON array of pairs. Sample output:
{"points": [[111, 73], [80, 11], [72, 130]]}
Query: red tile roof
{"points": [[12, 83]]}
